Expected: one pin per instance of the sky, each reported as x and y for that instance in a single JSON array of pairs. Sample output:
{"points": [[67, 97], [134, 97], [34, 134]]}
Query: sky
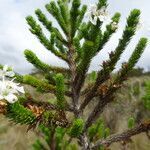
{"points": [[15, 36]]}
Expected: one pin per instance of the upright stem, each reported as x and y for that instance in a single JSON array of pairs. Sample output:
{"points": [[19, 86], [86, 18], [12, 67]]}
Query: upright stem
{"points": [[52, 140], [73, 70], [84, 142], [74, 88]]}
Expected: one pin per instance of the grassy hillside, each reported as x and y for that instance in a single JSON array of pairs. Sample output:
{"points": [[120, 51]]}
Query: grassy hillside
{"points": [[128, 104]]}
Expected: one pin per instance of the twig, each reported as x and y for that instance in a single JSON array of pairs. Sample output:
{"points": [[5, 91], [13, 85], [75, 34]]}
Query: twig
{"points": [[143, 127], [46, 105], [100, 107]]}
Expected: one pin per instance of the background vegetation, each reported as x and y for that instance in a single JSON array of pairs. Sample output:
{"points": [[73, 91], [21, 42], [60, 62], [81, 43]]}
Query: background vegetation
{"points": [[15, 137]]}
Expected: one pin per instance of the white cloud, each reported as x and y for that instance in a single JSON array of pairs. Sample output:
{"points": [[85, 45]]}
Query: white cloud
{"points": [[15, 37]]}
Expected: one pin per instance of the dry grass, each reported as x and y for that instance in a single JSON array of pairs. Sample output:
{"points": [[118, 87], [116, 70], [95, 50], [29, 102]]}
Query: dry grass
{"points": [[14, 137]]}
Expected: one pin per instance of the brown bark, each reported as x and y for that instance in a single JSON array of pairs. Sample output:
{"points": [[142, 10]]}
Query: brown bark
{"points": [[143, 127], [52, 144]]}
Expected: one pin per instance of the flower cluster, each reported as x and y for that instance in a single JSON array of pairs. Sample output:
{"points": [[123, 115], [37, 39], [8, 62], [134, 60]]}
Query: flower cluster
{"points": [[94, 14], [8, 88]]}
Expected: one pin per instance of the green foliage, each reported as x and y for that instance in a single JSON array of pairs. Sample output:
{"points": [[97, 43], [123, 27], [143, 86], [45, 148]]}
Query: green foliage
{"points": [[146, 101], [42, 18], [109, 31], [76, 128], [102, 3], [74, 13], [131, 122], [60, 91], [60, 141], [38, 145], [88, 51], [46, 131], [39, 84], [48, 135], [64, 10], [94, 129], [136, 89], [137, 53], [32, 58], [56, 13], [72, 147], [98, 130], [19, 114], [37, 30], [146, 97], [132, 22], [77, 43], [81, 16], [127, 67], [93, 76]]}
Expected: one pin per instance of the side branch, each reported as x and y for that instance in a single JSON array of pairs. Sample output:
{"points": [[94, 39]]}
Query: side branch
{"points": [[107, 97], [45, 105], [40, 85], [91, 91], [33, 59], [38, 32], [143, 127], [99, 107], [109, 66]]}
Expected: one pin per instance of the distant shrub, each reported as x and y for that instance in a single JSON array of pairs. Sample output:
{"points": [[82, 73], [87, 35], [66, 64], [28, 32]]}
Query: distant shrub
{"points": [[136, 72]]}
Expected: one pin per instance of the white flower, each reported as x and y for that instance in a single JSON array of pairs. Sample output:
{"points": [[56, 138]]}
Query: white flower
{"points": [[11, 98], [114, 25], [9, 90], [6, 93], [93, 9], [16, 86], [103, 14], [94, 14], [91, 14], [6, 72]]}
